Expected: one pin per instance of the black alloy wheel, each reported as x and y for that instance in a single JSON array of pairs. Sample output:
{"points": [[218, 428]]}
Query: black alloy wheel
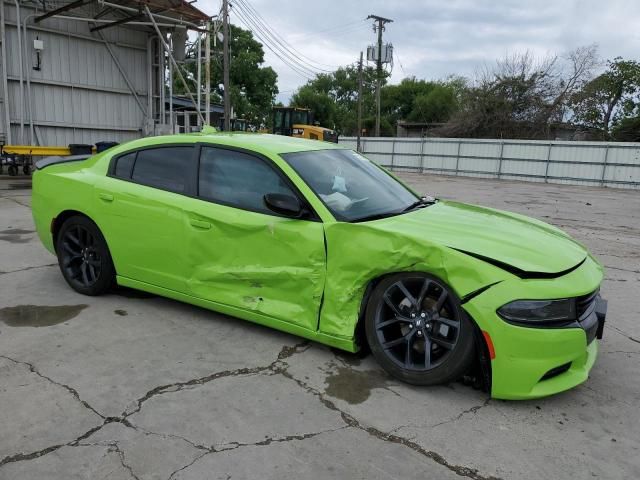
{"points": [[83, 256], [417, 329]]}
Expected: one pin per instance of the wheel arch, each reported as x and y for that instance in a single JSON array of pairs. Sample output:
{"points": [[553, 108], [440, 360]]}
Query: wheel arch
{"points": [[480, 373], [63, 216]]}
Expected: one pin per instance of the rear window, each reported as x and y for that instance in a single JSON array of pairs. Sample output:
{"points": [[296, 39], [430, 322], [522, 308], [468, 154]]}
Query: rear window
{"points": [[165, 168], [124, 164]]}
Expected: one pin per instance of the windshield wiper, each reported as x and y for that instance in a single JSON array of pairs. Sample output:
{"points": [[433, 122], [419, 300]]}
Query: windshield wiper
{"points": [[375, 216], [423, 201]]}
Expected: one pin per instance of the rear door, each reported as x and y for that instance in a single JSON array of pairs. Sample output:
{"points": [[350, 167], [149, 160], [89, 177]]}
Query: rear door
{"points": [[240, 253], [141, 203]]}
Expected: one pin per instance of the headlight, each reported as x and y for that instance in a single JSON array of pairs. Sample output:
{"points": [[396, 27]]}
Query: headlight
{"points": [[539, 313]]}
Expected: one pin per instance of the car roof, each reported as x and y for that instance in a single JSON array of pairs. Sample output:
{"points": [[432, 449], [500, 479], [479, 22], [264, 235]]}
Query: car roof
{"points": [[258, 142]]}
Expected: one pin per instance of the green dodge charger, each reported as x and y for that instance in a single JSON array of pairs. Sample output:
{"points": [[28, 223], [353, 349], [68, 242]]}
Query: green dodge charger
{"points": [[316, 240]]}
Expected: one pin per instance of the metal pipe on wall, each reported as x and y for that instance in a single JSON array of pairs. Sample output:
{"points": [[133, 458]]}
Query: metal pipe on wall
{"points": [[199, 72], [149, 119], [27, 72], [5, 86], [173, 62], [207, 73], [161, 75], [171, 88], [21, 94]]}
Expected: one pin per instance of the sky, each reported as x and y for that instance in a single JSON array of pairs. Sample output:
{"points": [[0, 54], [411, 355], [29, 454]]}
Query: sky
{"points": [[434, 39]]}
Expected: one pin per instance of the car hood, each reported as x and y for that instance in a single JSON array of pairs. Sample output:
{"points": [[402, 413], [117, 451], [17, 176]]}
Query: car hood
{"points": [[509, 240]]}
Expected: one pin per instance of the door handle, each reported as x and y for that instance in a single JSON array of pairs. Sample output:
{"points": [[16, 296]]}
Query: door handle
{"points": [[200, 224], [107, 197]]}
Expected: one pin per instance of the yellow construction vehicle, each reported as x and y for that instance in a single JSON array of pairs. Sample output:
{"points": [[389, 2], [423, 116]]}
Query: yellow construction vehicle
{"points": [[298, 122]]}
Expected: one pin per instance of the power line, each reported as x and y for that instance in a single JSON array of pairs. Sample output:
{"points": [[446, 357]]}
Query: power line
{"points": [[287, 56], [260, 31], [283, 56], [281, 41]]}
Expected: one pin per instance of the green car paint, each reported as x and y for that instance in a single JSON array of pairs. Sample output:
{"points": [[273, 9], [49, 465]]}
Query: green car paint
{"points": [[310, 278]]}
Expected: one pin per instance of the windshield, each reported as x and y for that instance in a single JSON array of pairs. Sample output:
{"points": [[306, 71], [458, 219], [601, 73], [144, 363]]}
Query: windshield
{"points": [[352, 187]]}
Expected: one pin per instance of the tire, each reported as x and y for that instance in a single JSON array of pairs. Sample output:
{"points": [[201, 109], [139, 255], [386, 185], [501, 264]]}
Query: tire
{"points": [[417, 329], [83, 256], [12, 170], [26, 170]]}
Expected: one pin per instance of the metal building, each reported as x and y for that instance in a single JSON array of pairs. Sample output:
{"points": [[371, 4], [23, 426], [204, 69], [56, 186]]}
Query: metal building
{"points": [[85, 71]]}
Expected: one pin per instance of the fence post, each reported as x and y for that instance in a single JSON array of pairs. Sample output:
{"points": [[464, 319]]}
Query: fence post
{"points": [[546, 168], [458, 156], [604, 164], [393, 151], [500, 159], [422, 155]]}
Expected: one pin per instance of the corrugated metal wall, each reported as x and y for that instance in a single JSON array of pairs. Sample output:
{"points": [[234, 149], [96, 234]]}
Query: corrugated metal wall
{"points": [[79, 95], [582, 163]]}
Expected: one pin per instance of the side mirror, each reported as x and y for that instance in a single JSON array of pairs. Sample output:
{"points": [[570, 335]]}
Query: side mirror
{"points": [[284, 204]]}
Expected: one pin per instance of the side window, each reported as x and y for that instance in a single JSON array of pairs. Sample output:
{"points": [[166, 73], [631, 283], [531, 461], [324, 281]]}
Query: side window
{"points": [[238, 179], [166, 168], [124, 164]]}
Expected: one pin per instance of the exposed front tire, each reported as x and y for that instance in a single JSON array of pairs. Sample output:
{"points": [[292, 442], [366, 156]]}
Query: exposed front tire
{"points": [[417, 329], [83, 256]]}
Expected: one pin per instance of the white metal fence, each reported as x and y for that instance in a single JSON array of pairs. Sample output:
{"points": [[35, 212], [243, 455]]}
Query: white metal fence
{"points": [[580, 163]]}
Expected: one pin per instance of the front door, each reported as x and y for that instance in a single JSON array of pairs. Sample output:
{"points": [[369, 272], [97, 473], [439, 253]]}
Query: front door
{"points": [[241, 254]]}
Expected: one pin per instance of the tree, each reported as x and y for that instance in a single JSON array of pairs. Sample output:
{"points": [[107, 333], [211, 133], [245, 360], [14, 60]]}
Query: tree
{"points": [[253, 86], [609, 98], [627, 130], [333, 98], [522, 97], [420, 100]]}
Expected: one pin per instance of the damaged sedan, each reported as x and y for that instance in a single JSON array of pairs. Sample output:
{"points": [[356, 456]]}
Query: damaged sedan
{"points": [[314, 239]]}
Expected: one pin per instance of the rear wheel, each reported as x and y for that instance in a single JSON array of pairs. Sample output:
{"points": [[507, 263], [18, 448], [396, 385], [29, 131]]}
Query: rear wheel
{"points": [[417, 329], [83, 256]]}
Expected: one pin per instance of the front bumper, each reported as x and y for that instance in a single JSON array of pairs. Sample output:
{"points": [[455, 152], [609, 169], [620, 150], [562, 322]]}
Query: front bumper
{"points": [[536, 362]]}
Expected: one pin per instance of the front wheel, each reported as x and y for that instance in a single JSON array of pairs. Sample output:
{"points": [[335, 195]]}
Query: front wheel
{"points": [[83, 256], [417, 329]]}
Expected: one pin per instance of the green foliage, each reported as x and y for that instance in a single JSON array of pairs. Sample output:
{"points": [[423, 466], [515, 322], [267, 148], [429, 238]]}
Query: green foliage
{"points": [[610, 98], [333, 98], [627, 130], [253, 86]]}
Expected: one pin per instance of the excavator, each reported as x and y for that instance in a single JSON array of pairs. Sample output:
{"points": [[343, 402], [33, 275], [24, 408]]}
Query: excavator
{"points": [[298, 122]]}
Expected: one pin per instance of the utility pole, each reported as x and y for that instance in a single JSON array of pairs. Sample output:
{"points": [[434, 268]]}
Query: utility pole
{"points": [[225, 65], [359, 102], [379, 28]]}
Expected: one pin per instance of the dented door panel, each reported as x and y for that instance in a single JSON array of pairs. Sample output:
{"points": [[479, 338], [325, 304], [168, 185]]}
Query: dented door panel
{"points": [[261, 263]]}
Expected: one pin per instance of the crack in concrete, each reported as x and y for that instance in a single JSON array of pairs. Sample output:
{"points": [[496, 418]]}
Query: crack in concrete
{"points": [[69, 389], [267, 441], [278, 366], [28, 268], [473, 410], [113, 447], [16, 201], [623, 333], [286, 352], [621, 269], [390, 437]]}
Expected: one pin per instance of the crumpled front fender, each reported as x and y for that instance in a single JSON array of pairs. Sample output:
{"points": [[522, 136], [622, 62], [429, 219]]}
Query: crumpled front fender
{"points": [[359, 253]]}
